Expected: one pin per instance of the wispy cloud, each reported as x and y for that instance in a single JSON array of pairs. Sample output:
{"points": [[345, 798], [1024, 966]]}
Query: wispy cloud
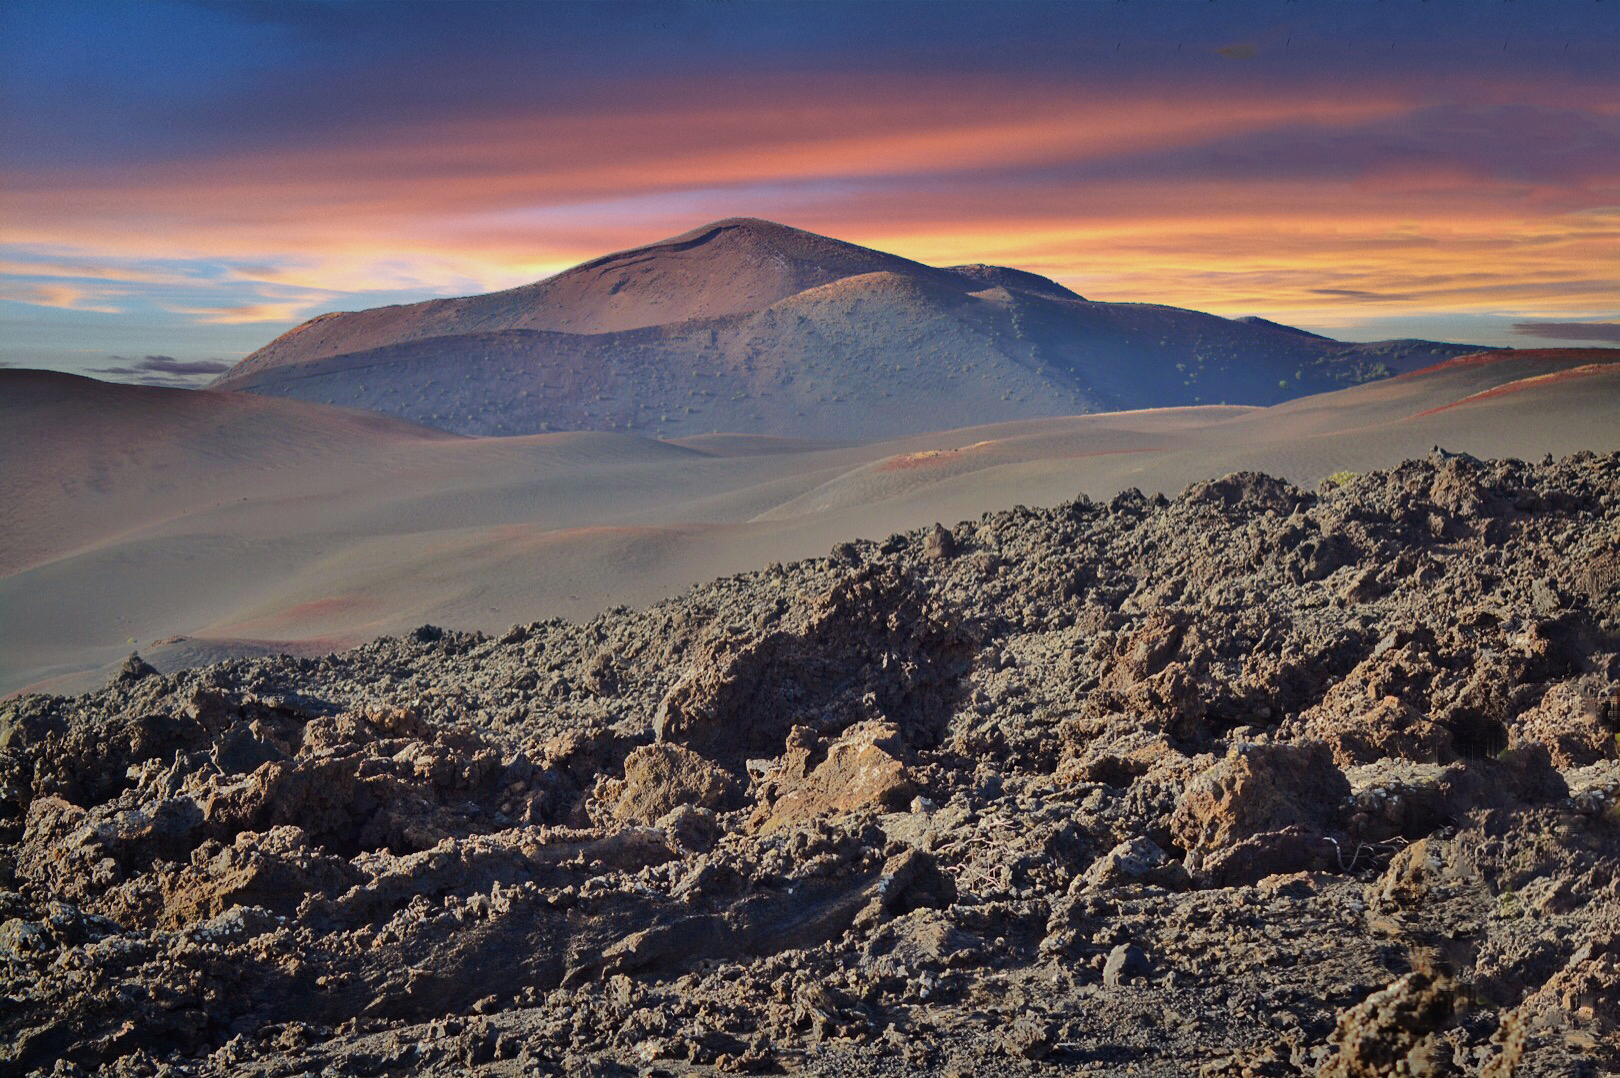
{"points": [[1569, 331], [1360, 293], [67, 297], [248, 312], [164, 365], [89, 270]]}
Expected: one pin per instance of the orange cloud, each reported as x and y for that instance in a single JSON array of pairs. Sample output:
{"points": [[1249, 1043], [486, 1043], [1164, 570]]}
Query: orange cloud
{"points": [[251, 312], [345, 195], [64, 296]]}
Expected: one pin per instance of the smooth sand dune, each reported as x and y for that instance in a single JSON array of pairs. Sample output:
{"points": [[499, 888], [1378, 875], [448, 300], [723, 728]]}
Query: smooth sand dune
{"points": [[241, 523], [82, 460]]}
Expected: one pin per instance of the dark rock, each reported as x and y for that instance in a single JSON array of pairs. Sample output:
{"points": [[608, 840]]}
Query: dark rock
{"points": [[1126, 963], [134, 669]]}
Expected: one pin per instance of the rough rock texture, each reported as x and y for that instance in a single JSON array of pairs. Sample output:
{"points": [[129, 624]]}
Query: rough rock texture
{"points": [[1254, 782], [863, 769], [658, 779]]}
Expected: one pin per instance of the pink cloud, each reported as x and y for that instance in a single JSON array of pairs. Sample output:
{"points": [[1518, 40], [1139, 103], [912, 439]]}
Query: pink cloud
{"points": [[64, 296]]}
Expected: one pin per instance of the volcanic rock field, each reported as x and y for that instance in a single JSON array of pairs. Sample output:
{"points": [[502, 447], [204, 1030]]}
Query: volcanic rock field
{"points": [[1256, 781]]}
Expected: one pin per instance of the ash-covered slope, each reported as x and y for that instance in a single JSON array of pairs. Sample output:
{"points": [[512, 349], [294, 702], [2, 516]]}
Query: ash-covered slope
{"points": [[1257, 781], [753, 327], [82, 458]]}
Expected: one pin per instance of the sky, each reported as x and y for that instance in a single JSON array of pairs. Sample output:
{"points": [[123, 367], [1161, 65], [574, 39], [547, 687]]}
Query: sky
{"points": [[182, 182]]}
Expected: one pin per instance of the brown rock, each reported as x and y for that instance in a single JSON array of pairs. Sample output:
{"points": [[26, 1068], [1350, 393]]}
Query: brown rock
{"points": [[862, 769], [1586, 990], [1389, 728], [1577, 728], [875, 645], [1392, 1030], [1411, 874], [659, 779], [1028, 1037], [1260, 788], [1269, 853], [1138, 860], [938, 544], [1599, 576]]}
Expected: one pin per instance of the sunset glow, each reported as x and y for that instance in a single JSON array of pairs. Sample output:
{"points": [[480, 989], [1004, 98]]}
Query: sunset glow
{"points": [[1365, 174]]}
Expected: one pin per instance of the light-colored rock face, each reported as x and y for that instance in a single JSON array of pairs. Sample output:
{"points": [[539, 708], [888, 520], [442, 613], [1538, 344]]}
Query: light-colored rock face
{"points": [[861, 770], [658, 779], [1260, 788]]}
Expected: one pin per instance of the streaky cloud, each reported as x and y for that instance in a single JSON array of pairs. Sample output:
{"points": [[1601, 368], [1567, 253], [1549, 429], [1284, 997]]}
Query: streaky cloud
{"points": [[1569, 331]]}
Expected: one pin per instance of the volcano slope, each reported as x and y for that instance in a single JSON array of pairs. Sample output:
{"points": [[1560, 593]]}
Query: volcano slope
{"points": [[749, 326], [1251, 782]]}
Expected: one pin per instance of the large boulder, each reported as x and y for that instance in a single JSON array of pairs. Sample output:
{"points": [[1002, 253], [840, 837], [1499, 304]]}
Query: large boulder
{"points": [[1260, 788], [863, 769], [1389, 728], [658, 779], [875, 646]]}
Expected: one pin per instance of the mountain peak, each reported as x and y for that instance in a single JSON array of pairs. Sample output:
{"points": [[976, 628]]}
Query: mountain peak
{"points": [[745, 324], [757, 225], [731, 233]]}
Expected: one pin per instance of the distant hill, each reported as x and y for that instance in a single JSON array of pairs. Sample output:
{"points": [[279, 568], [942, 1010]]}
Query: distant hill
{"points": [[754, 327]]}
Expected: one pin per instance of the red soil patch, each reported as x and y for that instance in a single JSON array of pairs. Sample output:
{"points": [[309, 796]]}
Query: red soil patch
{"points": [[1544, 355], [322, 607], [943, 456], [1533, 382], [931, 457], [335, 606]]}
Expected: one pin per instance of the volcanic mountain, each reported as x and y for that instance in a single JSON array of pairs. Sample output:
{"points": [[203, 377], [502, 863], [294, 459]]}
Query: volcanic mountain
{"points": [[754, 327]]}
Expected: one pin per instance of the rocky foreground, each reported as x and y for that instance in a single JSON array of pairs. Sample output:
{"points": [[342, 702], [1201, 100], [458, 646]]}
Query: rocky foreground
{"points": [[1254, 782]]}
